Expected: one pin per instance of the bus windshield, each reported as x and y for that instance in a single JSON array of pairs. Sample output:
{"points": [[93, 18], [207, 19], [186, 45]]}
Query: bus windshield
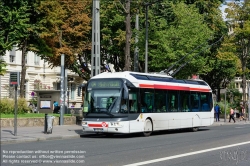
{"points": [[103, 97]]}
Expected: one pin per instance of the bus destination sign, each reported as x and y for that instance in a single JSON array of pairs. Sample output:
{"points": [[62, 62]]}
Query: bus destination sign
{"points": [[105, 84]]}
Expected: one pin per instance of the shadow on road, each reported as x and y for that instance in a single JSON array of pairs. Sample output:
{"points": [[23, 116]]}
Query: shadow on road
{"points": [[133, 135], [9, 131]]}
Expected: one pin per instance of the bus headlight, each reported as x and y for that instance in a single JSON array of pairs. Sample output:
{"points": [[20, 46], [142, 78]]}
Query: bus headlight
{"points": [[84, 123]]}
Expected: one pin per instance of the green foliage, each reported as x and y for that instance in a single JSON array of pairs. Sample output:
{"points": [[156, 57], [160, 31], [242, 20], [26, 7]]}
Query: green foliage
{"points": [[2, 67], [238, 18], [7, 106], [170, 41], [223, 107]]}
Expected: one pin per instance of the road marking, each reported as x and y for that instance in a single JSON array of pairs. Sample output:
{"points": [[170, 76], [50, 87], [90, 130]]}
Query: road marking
{"points": [[240, 127], [185, 154]]}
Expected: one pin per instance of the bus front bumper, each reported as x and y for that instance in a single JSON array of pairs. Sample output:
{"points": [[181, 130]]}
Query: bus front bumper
{"points": [[105, 127]]}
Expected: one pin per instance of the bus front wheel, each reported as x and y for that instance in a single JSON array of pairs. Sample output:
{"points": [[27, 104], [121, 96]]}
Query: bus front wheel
{"points": [[148, 128]]}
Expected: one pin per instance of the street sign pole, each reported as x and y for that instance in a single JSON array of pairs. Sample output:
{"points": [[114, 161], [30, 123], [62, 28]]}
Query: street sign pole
{"points": [[225, 105], [15, 81], [15, 118]]}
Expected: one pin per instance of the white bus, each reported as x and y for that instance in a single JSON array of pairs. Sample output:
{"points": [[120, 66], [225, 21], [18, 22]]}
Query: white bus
{"points": [[131, 102]]}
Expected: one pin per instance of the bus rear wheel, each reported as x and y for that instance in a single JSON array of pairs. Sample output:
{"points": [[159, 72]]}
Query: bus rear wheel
{"points": [[148, 128]]}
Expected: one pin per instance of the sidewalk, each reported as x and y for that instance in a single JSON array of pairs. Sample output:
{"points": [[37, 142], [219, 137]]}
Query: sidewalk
{"points": [[29, 134], [237, 121]]}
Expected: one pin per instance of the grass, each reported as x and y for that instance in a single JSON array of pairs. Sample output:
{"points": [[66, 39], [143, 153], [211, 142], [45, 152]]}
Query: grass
{"points": [[29, 115]]}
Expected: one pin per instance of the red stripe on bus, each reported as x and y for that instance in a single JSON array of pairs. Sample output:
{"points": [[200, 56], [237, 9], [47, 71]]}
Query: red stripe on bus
{"points": [[171, 87], [146, 85], [199, 89], [95, 125]]}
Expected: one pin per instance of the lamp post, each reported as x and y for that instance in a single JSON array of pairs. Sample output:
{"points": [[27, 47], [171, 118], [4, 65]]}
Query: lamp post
{"points": [[146, 37]]}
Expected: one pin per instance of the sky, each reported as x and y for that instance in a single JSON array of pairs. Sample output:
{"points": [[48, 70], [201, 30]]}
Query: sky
{"points": [[223, 7]]}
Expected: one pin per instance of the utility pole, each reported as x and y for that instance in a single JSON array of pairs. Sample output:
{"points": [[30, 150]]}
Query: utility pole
{"points": [[62, 84], [95, 51], [248, 101], [146, 42]]}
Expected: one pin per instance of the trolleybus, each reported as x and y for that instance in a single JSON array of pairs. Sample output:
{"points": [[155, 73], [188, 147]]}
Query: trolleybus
{"points": [[132, 102]]}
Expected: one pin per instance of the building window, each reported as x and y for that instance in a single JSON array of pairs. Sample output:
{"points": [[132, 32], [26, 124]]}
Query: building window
{"points": [[58, 86], [72, 91], [37, 60], [13, 55]]}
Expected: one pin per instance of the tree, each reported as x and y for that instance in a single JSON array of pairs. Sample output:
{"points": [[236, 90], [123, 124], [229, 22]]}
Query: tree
{"points": [[170, 38], [17, 28], [238, 15], [65, 28]]}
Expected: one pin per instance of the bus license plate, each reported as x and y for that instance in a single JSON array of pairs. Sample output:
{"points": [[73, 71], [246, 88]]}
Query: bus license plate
{"points": [[98, 129]]}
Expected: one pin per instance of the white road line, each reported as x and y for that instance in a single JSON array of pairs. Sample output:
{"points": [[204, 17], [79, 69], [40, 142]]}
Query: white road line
{"points": [[185, 154]]}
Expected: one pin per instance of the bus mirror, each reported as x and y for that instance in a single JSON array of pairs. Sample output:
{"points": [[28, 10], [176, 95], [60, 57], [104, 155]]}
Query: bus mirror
{"points": [[125, 91]]}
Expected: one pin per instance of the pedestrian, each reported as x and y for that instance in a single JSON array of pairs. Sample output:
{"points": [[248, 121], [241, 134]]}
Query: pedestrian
{"points": [[56, 107], [217, 112], [242, 114], [231, 115], [124, 105]]}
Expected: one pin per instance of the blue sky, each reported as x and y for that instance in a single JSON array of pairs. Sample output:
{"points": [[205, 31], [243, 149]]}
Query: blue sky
{"points": [[223, 7]]}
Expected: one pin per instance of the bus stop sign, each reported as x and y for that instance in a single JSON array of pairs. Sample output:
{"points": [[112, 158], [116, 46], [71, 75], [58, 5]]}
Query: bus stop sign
{"points": [[14, 78]]}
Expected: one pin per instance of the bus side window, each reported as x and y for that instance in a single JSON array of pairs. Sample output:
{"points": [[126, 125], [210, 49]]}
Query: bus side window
{"points": [[172, 101], [147, 100], [194, 100], [205, 104], [184, 102], [133, 100]]}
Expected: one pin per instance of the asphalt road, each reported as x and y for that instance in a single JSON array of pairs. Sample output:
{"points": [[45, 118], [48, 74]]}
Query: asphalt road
{"points": [[211, 146]]}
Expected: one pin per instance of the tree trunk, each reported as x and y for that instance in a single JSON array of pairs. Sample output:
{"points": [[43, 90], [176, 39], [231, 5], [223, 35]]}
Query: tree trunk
{"points": [[218, 97], [23, 71], [127, 66]]}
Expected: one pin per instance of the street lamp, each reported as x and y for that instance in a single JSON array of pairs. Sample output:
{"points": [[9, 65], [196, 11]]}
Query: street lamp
{"points": [[146, 38]]}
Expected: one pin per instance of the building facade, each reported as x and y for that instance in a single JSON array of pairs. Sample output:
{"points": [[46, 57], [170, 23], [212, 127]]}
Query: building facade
{"points": [[39, 76]]}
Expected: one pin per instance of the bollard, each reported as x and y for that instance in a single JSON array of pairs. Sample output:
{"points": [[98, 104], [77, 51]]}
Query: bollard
{"points": [[45, 124]]}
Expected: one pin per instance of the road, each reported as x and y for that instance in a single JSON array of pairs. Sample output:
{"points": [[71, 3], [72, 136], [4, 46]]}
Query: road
{"points": [[210, 146]]}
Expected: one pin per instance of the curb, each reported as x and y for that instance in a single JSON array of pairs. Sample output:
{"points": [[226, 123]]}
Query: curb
{"points": [[227, 123], [21, 140]]}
